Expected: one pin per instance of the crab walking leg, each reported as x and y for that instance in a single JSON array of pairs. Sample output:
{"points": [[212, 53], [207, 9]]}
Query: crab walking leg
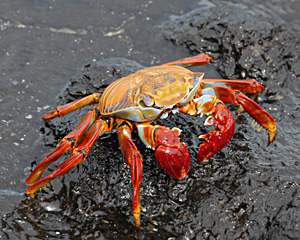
{"points": [[72, 106], [78, 155], [134, 159], [66, 144], [247, 86], [255, 111], [200, 59], [217, 139], [171, 154]]}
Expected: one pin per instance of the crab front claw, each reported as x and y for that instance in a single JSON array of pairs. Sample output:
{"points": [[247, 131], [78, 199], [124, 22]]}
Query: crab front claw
{"points": [[232, 94], [175, 161], [218, 138], [171, 154]]}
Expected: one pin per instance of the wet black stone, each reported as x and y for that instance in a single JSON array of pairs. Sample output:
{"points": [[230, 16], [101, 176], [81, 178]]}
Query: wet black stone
{"points": [[243, 43]]}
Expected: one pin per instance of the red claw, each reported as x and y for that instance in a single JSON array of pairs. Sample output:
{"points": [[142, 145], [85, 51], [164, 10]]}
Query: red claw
{"points": [[171, 154], [218, 138], [175, 161]]}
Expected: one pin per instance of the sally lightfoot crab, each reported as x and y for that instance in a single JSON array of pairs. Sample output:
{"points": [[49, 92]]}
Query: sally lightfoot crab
{"points": [[135, 101]]}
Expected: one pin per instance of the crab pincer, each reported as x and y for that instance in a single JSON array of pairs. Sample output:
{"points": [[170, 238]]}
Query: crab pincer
{"points": [[218, 138], [171, 154]]}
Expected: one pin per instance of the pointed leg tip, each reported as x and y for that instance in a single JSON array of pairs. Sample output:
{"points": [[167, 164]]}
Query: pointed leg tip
{"points": [[272, 136], [50, 115], [137, 221], [240, 109], [30, 194], [38, 171]]}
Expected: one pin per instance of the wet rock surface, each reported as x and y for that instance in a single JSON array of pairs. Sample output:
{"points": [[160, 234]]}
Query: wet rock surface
{"points": [[247, 191], [247, 44]]}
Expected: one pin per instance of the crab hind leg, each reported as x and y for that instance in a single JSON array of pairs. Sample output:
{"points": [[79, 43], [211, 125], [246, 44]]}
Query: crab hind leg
{"points": [[63, 110], [135, 160], [78, 155], [217, 139], [200, 59], [248, 86], [261, 116], [235, 97], [66, 144]]}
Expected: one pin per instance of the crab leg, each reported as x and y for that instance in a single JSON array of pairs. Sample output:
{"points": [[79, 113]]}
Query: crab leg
{"points": [[218, 138], [255, 111], [200, 59], [171, 154], [72, 106], [78, 155], [247, 86], [135, 160], [66, 144]]}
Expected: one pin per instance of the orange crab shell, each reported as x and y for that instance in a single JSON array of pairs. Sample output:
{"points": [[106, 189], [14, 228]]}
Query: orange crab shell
{"points": [[167, 86]]}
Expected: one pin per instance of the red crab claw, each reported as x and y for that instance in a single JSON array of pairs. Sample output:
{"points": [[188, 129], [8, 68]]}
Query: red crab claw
{"points": [[171, 154], [218, 138], [232, 94], [175, 161]]}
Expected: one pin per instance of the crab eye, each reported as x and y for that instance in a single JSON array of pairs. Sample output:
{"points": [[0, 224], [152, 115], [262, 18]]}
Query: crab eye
{"points": [[196, 80], [147, 100]]}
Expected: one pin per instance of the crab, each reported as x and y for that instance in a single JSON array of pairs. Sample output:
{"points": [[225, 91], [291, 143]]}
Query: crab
{"points": [[134, 102]]}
